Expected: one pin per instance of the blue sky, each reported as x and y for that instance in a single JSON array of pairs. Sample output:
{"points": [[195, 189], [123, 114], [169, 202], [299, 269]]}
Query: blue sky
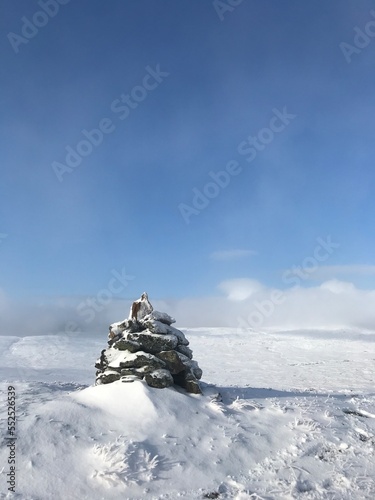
{"points": [[225, 70]]}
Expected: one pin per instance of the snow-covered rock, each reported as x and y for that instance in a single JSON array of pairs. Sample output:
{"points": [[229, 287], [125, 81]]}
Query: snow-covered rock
{"points": [[159, 379], [140, 308], [147, 347], [162, 317], [107, 377], [163, 329], [154, 342]]}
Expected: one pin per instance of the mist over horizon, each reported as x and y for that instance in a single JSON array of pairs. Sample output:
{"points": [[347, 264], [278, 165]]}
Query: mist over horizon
{"points": [[242, 304]]}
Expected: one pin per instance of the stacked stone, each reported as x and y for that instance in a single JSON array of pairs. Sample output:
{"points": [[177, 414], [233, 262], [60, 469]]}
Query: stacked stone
{"points": [[145, 346]]}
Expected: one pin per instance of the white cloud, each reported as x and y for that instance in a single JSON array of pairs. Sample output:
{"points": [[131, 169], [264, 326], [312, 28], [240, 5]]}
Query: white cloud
{"points": [[231, 254], [240, 289], [336, 286], [333, 304]]}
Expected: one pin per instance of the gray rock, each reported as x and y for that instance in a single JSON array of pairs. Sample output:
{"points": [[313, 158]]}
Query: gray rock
{"points": [[139, 372], [125, 344], [187, 380], [152, 342], [140, 359], [192, 385], [182, 340], [191, 366], [163, 329], [129, 325], [156, 326], [99, 365], [102, 362], [107, 377], [159, 379], [159, 316], [125, 372], [185, 350], [197, 372], [172, 360]]}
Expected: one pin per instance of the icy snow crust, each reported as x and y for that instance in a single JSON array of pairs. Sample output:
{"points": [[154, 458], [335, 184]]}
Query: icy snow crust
{"points": [[284, 415]]}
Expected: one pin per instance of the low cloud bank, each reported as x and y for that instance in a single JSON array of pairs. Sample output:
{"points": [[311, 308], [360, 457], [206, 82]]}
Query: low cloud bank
{"points": [[333, 304], [243, 303]]}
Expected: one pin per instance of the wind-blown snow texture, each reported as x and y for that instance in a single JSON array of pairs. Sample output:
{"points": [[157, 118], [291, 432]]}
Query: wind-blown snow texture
{"points": [[284, 415]]}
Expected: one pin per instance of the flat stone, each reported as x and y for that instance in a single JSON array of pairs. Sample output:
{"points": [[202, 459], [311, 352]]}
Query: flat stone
{"points": [[129, 378], [138, 372], [159, 316], [153, 343], [159, 379], [163, 329], [127, 345], [141, 358], [108, 377], [129, 325], [125, 372]]}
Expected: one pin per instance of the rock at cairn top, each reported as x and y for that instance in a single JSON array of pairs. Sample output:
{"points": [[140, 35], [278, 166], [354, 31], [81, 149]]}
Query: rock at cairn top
{"points": [[145, 346], [141, 308]]}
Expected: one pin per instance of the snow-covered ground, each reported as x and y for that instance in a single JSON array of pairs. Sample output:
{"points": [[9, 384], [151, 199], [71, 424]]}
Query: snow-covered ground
{"points": [[283, 415]]}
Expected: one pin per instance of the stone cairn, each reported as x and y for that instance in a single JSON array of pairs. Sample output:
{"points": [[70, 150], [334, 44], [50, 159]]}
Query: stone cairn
{"points": [[145, 346]]}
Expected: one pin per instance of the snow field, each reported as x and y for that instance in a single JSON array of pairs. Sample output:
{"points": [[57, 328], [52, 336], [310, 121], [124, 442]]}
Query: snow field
{"points": [[284, 415]]}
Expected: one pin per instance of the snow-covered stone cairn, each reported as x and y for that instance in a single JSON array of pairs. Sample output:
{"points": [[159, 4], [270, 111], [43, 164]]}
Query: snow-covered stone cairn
{"points": [[145, 346]]}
